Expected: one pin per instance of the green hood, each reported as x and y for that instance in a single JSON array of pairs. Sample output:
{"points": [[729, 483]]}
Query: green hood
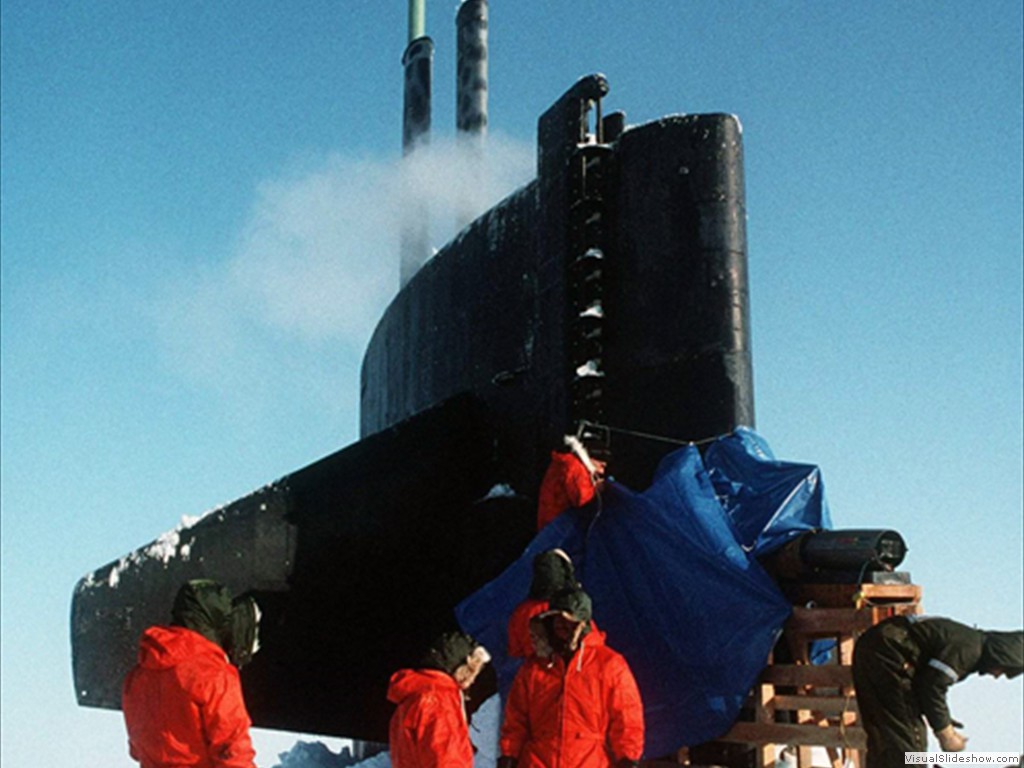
{"points": [[552, 571], [573, 601], [449, 652], [204, 606], [1003, 650]]}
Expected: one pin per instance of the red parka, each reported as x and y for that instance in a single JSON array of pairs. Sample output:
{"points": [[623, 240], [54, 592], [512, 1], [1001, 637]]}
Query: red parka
{"points": [[183, 704], [586, 713], [429, 727], [519, 645], [567, 483]]}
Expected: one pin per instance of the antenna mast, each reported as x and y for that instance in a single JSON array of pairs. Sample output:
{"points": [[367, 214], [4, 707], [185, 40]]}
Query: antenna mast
{"points": [[418, 63]]}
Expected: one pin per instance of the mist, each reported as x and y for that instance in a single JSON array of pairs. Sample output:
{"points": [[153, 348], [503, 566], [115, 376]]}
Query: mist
{"points": [[316, 264]]}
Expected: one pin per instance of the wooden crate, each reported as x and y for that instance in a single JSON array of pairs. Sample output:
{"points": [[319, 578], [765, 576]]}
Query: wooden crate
{"points": [[803, 705]]}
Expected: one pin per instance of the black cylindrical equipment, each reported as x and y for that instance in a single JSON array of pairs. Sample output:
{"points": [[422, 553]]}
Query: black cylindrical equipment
{"points": [[613, 125], [418, 62], [471, 86], [471, 100], [853, 550]]}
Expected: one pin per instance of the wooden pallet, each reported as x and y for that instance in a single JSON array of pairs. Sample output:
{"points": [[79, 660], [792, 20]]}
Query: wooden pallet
{"points": [[803, 705]]}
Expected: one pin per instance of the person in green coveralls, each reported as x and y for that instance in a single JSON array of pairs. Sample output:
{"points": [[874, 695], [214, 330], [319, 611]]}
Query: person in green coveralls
{"points": [[902, 669]]}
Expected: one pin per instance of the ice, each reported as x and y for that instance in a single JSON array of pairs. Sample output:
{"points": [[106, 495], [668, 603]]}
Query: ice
{"points": [[501, 491]]}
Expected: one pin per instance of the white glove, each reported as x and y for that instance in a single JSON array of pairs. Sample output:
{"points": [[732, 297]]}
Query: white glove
{"points": [[951, 740]]}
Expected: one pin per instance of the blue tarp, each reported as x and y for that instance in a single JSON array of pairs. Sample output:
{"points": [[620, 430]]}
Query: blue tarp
{"points": [[675, 581], [766, 501]]}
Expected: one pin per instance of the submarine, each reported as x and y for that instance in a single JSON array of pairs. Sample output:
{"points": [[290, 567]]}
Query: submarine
{"points": [[607, 298]]}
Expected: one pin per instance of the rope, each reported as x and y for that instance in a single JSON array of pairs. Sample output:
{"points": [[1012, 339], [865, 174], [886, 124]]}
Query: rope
{"points": [[646, 435], [586, 536], [583, 425]]}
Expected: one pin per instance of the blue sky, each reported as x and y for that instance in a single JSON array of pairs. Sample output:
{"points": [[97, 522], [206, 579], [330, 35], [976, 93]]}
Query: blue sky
{"points": [[197, 207]]}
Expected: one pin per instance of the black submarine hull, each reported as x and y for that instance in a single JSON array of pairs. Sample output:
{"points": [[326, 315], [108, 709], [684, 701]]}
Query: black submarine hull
{"points": [[611, 290]]}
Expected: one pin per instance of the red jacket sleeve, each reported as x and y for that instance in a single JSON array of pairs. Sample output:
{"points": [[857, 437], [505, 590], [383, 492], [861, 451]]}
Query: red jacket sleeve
{"points": [[579, 485], [626, 714], [515, 728], [566, 483], [226, 721]]}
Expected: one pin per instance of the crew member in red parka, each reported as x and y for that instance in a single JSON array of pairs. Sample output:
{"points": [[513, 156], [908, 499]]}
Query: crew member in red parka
{"points": [[572, 479], [552, 572], [429, 728], [182, 701], [578, 708]]}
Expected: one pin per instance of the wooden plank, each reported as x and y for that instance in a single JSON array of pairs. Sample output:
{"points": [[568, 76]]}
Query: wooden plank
{"points": [[833, 704], [764, 706], [825, 595], [827, 621], [797, 735], [808, 674], [834, 615], [903, 593], [843, 595], [846, 651]]}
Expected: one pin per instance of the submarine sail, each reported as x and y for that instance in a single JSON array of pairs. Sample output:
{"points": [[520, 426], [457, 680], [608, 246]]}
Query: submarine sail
{"points": [[610, 291]]}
